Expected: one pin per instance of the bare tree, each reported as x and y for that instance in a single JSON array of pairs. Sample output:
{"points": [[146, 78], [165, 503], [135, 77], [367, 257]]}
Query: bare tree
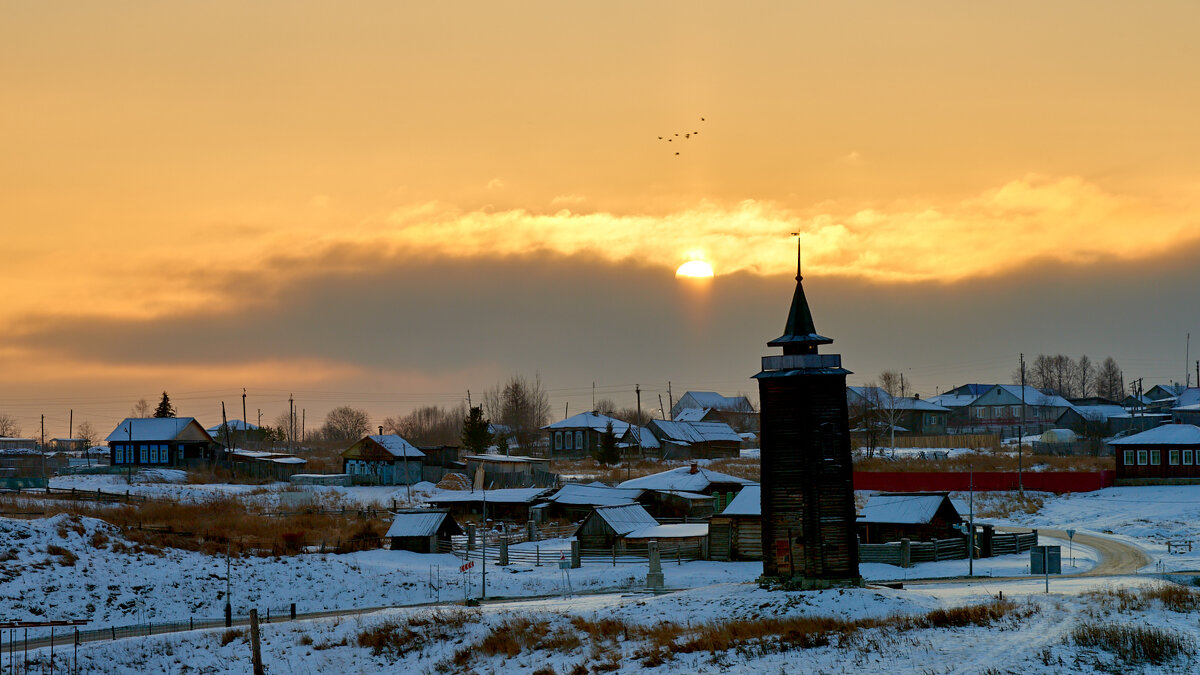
{"points": [[606, 407], [429, 425], [9, 426], [894, 388], [1085, 373], [87, 433], [522, 406], [865, 414], [141, 409], [344, 423], [632, 416], [1109, 381]]}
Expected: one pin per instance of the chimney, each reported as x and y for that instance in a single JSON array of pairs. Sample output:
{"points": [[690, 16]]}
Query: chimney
{"points": [[694, 468]]}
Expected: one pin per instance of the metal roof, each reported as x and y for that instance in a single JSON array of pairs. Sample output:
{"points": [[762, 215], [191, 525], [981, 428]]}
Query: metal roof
{"points": [[141, 429], [501, 496], [626, 518], [748, 502], [591, 420], [676, 531], [416, 524], [397, 446], [595, 495], [906, 509], [1167, 434], [683, 479]]}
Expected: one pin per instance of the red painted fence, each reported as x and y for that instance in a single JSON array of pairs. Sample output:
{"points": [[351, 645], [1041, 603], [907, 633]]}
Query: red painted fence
{"points": [[987, 481]]}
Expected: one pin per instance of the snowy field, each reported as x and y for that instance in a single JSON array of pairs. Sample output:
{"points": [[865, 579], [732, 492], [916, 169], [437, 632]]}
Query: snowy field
{"points": [[63, 567]]}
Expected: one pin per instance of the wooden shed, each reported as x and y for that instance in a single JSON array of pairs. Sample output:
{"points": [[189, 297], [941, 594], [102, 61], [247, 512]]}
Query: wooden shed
{"points": [[606, 526], [421, 531], [918, 516], [736, 532]]}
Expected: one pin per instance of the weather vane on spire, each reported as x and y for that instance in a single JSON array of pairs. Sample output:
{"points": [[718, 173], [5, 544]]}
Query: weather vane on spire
{"points": [[799, 252]]}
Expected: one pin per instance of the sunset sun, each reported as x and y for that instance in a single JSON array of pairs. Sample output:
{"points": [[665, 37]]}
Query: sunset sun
{"points": [[694, 268]]}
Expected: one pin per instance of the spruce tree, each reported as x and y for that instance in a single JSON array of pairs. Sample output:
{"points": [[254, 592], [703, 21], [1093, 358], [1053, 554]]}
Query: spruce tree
{"points": [[165, 409], [607, 452], [475, 436]]}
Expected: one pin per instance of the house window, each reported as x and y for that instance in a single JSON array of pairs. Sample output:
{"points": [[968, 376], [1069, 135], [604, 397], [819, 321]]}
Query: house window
{"points": [[1173, 457], [1143, 457], [1128, 458], [558, 440], [579, 440], [142, 450], [154, 454], [1155, 457], [981, 412], [1187, 457], [181, 455], [570, 443], [1016, 411], [120, 455]]}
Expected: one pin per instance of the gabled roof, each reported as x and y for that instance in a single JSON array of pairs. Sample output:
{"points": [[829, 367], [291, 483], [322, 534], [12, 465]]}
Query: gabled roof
{"points": [[692, 414], [953, 400], [625, 518], [144, 429], [1033, 396], [595, 495], [234, 425], [683, 480], [714, 401], [907, 509], [1188, 397], [420, 524], [1099, 413], [590, 420], [876, 395], [1161, 391], [687, 433], [748, 502], [1167, 434], [397, 446], [635, 434]]}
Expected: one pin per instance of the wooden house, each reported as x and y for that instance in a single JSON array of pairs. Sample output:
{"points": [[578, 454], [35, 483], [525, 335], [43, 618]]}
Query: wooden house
{"points": [[695, 440], [736, 532], [575, 501], [607, 526], [422, 531], [579, 435], [1167, 453], [508, 471], [736, 411], [873, 405], [14, 443], [386, 459], [918, 516], [510, 505], [160, 441]]}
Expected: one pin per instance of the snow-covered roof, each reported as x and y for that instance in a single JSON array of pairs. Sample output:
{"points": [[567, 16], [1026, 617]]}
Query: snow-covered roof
{"points": [[626, 518], [636, 433], [501, 496], [1035, 397], [397, 446], [952, 400], [595, 495], [1167, 434], [906, 509], [590, 420], [1188, 397], [683, 479], [694, 432], [675, 531], [1098, 413], [748, 502], [878, 396], [692, 414], [140, 429], [234, 425], [504, 459], [416, 524]]}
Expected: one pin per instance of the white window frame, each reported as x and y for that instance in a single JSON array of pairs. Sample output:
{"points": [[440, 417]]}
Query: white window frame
{"points": [[1155, 457], [119, 455], [1143, 457], [569, 444], [1173, 457], [153, 453], [143, 453], [578, 440], [1128, 459], [558, 440], [1188, 455]]}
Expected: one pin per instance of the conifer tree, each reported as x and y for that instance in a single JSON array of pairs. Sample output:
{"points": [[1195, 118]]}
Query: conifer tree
{"points": [[475, 436], [165, 409], [607, 452]]}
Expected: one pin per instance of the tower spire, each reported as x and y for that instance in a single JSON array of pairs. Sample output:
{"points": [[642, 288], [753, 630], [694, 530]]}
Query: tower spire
{"points": [[800, 334]]}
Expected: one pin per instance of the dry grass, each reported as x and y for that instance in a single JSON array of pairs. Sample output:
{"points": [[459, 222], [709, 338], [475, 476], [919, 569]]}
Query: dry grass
{"points": [[1004, 505], [217, 525], [1170, 596], [231, 635], [1134, 645], [398, 637], [655, 645]]}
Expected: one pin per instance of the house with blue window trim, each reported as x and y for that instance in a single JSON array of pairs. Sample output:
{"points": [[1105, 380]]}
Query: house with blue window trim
{"points": [[160, 441]]}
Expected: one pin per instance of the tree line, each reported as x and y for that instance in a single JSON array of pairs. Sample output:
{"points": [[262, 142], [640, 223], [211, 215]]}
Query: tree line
{"points": [[1071, 378]]}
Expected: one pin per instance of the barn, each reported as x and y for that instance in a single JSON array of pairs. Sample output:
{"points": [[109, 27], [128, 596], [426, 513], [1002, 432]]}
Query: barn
{"points": [[736, 532], [422, 531], [607, 526], [918, 516]]}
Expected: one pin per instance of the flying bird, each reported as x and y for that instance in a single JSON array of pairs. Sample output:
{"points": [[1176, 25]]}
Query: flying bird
{"points": [[701, 119]]}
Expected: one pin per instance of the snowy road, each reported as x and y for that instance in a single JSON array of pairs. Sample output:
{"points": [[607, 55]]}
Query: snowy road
{"points": [[1117, 557]]}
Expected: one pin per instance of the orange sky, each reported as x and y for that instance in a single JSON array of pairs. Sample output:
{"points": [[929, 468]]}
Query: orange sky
{"points": [[155, 151]]}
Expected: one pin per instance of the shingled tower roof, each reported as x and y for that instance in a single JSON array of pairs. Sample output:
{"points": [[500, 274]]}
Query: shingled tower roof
{"points": [[800, 335]]}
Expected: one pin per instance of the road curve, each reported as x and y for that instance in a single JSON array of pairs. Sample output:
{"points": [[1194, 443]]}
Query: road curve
{"points": [[1116, 557]]}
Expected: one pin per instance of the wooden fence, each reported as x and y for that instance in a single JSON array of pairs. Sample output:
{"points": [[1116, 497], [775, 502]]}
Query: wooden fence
{"points": [[74, 494], [1014, 542], [892, 553]]}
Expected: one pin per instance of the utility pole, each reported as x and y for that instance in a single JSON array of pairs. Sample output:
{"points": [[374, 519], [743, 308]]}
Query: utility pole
{"points": [[71, 425], [43, 433], [637, 388], [291, 421], [971, 538], [670, 398], [483, 583], [661, 410], [593, 396], [303, 424], [1021, 434], [245, 419]]}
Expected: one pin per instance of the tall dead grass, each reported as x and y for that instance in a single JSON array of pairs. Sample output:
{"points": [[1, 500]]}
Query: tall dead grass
{"points": [[1134, 646]]}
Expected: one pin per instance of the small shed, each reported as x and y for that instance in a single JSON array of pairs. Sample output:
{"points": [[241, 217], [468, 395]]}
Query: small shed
{"points": [[422, 531], [736, 532], [918, 516], [672, 536], [607, 526], [510, 471]]}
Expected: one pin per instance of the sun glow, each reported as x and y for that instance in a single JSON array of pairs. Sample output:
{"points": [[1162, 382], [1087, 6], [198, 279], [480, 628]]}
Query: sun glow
{"points": [[694, 268]]}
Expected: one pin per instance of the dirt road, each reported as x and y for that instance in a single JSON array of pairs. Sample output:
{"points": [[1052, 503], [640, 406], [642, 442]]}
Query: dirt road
{"points": [[1116, 557]]}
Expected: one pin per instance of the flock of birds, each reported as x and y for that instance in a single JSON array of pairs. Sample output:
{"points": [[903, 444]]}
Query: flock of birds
{"points": [[683, 136]]}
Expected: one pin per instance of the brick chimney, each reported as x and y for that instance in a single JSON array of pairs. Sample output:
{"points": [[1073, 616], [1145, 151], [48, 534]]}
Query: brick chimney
{"points": [[694, 469]]}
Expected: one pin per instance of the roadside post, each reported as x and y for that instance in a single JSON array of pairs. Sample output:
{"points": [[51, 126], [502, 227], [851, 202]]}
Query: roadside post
{"points": [[1071, 542]]}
